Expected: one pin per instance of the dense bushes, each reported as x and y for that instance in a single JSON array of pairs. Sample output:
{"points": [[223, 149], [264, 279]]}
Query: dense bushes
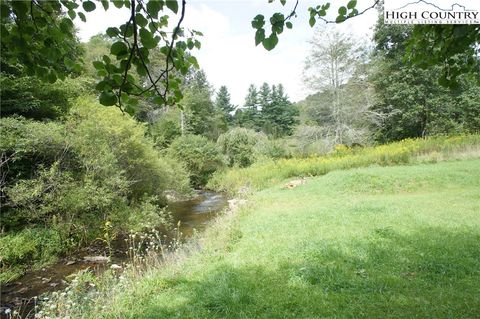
{"points": [[166, 128], [30, 97], [19, 249], [239, 145], [74, 176], [200, 156]]}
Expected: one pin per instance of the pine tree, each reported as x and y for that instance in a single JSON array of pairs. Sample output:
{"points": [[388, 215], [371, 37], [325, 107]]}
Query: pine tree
{"points": [[249, 116], [279, 115], [223, 105]]}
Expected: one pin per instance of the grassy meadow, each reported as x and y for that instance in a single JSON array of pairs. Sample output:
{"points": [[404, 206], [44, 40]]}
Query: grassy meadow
{"points": [[265, 173], [376, 242]]}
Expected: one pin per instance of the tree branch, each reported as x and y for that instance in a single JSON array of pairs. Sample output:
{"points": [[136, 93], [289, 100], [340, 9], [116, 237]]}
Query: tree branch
{"points": [[349, 17]]}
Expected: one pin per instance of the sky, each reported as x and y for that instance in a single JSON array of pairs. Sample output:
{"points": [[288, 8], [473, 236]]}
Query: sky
{"points": [[228, 54]]}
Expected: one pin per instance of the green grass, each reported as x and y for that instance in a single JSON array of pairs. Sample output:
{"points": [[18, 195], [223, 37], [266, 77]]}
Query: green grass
{"points": [[269, 172], [378, 242]]}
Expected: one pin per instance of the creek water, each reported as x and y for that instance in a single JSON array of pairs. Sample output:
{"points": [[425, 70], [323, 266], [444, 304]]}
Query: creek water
{"points": [[191, 215]]}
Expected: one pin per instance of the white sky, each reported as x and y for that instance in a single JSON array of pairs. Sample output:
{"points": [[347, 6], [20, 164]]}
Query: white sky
{"points": [[228, 54]]}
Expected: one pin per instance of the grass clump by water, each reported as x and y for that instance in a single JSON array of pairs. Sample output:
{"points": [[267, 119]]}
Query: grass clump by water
{"points": [[264, 174], [377, 242]]}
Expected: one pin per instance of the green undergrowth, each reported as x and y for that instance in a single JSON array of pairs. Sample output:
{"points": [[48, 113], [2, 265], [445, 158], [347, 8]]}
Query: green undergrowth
{"points": [[377, 242], [264, 174]]}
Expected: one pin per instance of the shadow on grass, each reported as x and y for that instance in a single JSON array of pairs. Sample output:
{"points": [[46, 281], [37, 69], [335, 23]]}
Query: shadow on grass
{"points": [[431, 273]]}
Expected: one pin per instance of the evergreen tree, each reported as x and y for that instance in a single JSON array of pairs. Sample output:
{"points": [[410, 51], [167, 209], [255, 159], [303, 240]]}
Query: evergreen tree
{"points": [[199, 108], [224, 106], [279, 115], [249, 116]]}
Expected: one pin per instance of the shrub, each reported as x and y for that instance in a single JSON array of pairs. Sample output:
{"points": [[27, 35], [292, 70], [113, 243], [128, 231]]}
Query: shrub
{"points": [[18, 250], [166, 128], [239, 146], [32, 98], [112, 145], [275, 149], [200, 156], [73, 177]]}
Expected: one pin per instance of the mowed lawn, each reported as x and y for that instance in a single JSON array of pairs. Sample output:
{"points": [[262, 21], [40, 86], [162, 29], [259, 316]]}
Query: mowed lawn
{"points": [[378, 242]]}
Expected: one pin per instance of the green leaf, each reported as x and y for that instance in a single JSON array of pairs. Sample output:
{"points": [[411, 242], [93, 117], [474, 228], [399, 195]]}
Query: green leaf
{"points": [[259, 36], [98, 65], [289, 25], [106, 59], [340, 19], [342, 11], [172, 5], [118, 3], [82, 16], [102, 85], [153, 7], [118, 48], [158, 100], [351, 4], [178, 95], [4, 10], [105, 4], [283, 2], [190, 44], [258, 22], [117, 78], [140, 19], [108, 98], [72, 14], [193, 61], [141, 70], [20, 8], [270, 42], [112, 32], [312, 21], [88, 6], [147, 39]]}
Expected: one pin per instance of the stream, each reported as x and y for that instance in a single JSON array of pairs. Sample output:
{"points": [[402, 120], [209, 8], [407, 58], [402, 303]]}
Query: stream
{"points": [[193, 215]]}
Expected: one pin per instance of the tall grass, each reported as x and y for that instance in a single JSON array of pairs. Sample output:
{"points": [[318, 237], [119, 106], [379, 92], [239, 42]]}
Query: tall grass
{"points": [[396, 242], [266, 173]]}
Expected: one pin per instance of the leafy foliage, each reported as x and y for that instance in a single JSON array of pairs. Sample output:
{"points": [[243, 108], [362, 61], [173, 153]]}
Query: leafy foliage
{"points": [[72, 177], [267, 109], [200, 156], [30, 97], [454, 48], [166, 128], [40, 37], [413, 100], [239, 146]]}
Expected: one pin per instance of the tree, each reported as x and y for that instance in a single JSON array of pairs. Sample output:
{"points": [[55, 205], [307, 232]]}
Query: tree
{"points": [[199, 112], [278, 114], [334, 67], [224, 106], [454, 47], [416, 104], [249, 115], [40, 37]]}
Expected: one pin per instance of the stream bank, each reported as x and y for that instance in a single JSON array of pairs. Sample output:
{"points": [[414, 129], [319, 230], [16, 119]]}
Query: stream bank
{"points": [[190, 215]]}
